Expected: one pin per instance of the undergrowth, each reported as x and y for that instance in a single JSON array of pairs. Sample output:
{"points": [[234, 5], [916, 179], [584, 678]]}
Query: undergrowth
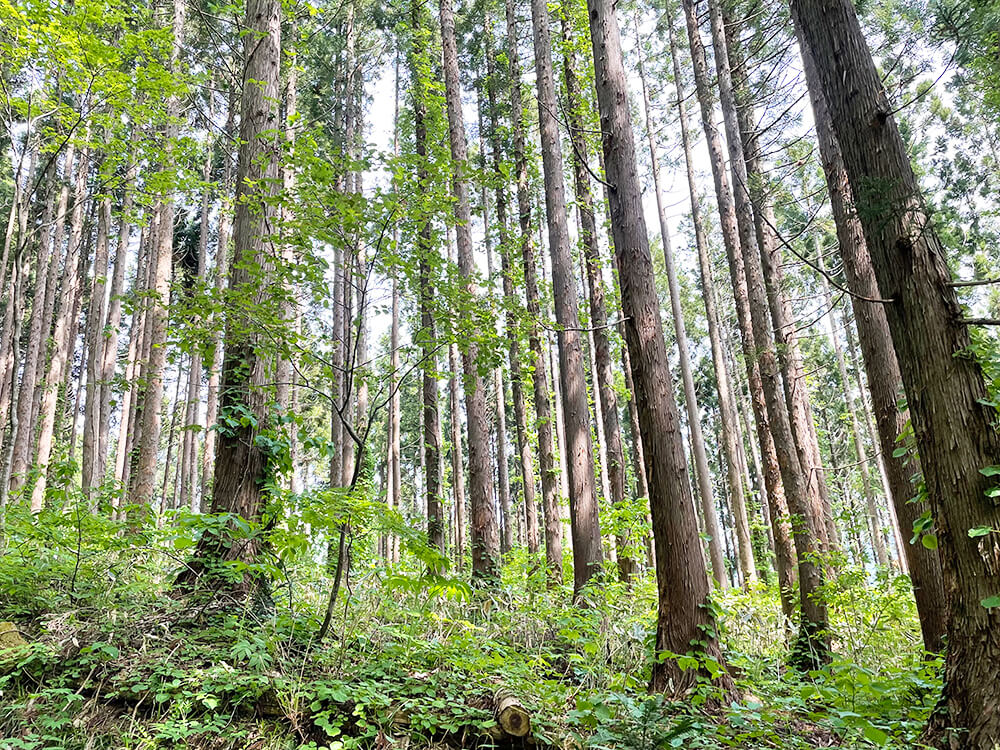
{"points": [[114, 659]]}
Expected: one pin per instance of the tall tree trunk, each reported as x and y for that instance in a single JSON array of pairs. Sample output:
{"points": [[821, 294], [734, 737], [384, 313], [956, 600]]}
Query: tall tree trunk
{"points": [[727, 400], [683, 585], [605, 397], [394, 477], [536, 345], [499, 389], [882, 368], [754, 190], [63, 334], [242, 469], [512, 303], [584, 520], [702, 473], [110, 361], [92, 463], [431, 443], [955, 428], [192, 400], [32, 387], [758, 345], [23, 423], [485, 537]]}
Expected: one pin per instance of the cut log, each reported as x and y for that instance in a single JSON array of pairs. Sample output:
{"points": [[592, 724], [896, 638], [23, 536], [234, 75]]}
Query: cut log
{"points": [[511, 715]]}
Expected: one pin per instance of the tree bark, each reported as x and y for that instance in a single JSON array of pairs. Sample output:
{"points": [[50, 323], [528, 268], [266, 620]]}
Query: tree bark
{"points": [[510, 304], [485, 536], [882, 368], [702, 474], [955, 429], [536, 363], [605, 397], [758, 345], [242, 468], [584, 519], [683, 585]]}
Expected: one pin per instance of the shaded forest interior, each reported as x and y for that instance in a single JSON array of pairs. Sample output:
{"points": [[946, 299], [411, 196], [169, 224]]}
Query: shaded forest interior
{"points": [[500, 374]]}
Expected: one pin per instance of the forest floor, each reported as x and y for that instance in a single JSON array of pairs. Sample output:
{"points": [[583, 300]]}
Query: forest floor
{"points": [[112, 659]]}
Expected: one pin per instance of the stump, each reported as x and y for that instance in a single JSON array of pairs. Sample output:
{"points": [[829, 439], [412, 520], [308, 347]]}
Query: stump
{"points": [[511, 715]]}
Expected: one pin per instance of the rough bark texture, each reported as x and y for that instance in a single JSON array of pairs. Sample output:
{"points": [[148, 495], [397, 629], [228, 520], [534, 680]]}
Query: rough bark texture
{"points": [[680, 570], [540, 385], [242, 468], [955, 428], [578, 448], [882, 368], [606, 397]]}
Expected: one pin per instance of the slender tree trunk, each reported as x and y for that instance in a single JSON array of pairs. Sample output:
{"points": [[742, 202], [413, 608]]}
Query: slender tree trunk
{"points": [[511, 303], [881, 367], [702, 473], [32, 387], [114, 317], [606, 398], [23, 424], [793, 379], [683, 585], [878, 543], [758, 345], [63, 335], [485, 537], [536, 363], [192, 400], [431, 443], [142, 487]]}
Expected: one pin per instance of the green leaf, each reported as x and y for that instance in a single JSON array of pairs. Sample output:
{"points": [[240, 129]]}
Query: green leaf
{"points": [[875, 735], [980, 531], [929, 541], [991, 602], [990, 471]]}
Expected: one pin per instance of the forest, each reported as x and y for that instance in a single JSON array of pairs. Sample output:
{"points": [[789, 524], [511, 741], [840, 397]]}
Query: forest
{"points": [[513, 374]]}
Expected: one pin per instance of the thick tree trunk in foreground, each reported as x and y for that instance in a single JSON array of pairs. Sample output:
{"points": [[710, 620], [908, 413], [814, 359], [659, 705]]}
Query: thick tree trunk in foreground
{"points": [[955, 428], [578, 448], [242, 468], [485, 537], [682, 579], [540, 383], [882, 368]]}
